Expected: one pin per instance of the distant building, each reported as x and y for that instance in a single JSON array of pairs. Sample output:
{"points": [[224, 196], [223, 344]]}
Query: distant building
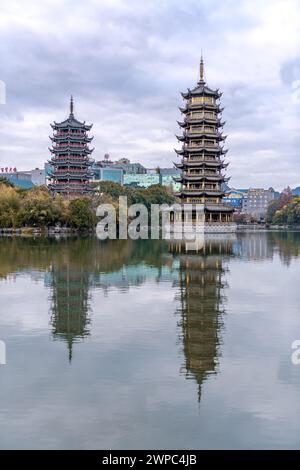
{"points": [[257, 201], [235, 198], [170, 172], [130, 168], [142, 180], [21, 179], [38, 177], [24, 179], [105, 162], [169, 181], [115, 175]]}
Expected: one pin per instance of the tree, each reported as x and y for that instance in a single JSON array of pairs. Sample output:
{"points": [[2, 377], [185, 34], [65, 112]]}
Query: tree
{"points": [[285, 198], [9, 206], [289, 214], [6, 182], [81, 214]]}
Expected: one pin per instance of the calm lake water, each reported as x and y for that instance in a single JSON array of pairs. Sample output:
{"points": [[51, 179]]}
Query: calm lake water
{"points": [[150, 344]]}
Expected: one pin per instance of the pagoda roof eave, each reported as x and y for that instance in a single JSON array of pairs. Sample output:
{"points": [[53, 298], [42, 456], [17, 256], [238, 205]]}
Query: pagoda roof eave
{"points": [[218, 207], [201, 89], [216, 164], [178, 165], [80, 150], [201, 178], [191, 135], [186, 151], [71, 122], [200, 107], [71, 138], [200, 192]]}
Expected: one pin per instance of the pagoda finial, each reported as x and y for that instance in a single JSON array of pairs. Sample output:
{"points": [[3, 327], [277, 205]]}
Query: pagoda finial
{"points": [[71, 106], [201, 69]]}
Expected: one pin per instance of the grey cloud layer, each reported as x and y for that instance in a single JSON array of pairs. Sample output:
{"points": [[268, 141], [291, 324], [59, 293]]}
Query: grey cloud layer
{"points": [[126, 62]]}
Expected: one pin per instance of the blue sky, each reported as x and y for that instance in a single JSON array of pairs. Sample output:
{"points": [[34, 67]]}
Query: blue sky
{"points": [[126, 62]]}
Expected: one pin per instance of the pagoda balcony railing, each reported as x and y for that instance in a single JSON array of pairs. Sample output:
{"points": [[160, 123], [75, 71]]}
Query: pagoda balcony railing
{"points": [[200, 159], [201, 100], [203, 158], [201, 173], [70, 183], [69, 133], [202, 144], [67, 171], [196, 116], [73, 163], [70, 144], [72, 156], [200, 130], [201, 188]]}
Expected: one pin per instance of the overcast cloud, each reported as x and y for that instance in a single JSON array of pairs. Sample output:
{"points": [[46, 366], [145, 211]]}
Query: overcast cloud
{"points": [[126, 62]]}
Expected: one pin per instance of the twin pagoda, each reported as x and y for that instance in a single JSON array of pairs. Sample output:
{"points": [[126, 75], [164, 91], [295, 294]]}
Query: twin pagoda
{"points": [[202, 162], [71, 162]]}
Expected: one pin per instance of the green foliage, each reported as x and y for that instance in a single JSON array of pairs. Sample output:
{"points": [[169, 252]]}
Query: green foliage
{"points": [[155, 194], [36, 207], [289, 214], [277, 204], [9, 205], [81, 214], [6, 182]]}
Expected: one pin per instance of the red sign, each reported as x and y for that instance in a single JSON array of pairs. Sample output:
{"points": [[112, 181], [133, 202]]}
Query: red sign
{"points": [[8, 170]]}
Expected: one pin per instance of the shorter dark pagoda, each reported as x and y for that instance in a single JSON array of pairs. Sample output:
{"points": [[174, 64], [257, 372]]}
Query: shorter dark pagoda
{"points": [[71, 162]]}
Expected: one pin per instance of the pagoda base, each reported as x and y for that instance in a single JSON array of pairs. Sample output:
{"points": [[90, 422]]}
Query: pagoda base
{"points": [[194, 220], [203, 227], [220, 227]]}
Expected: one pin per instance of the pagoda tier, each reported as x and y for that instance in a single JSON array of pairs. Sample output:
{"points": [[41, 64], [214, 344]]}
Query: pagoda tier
{"points": [[206, 107], [201, 164], [200, 134], [76, 149], [184, 193], [68, 161], [189, 147], [201, 120], [71, 163], [68, 138], [201, 178]]}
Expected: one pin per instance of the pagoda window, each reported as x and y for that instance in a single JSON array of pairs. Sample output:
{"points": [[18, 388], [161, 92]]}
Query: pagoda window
{"points": [[210, 129], [212, 200], [202, 100]]}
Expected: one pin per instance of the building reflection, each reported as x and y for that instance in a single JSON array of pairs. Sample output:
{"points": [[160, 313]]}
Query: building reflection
{"points": [[78, 266], [202, 268], [74, 267], [70, 303]]}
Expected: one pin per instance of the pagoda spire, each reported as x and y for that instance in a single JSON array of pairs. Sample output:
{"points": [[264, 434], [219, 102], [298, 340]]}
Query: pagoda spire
{"points": [[201, 70], [71, 106]]}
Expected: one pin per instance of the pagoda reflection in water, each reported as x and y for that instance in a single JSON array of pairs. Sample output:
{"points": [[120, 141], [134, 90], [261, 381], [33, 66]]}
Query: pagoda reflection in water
{"points": [[70, 304], [203, 265]]}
